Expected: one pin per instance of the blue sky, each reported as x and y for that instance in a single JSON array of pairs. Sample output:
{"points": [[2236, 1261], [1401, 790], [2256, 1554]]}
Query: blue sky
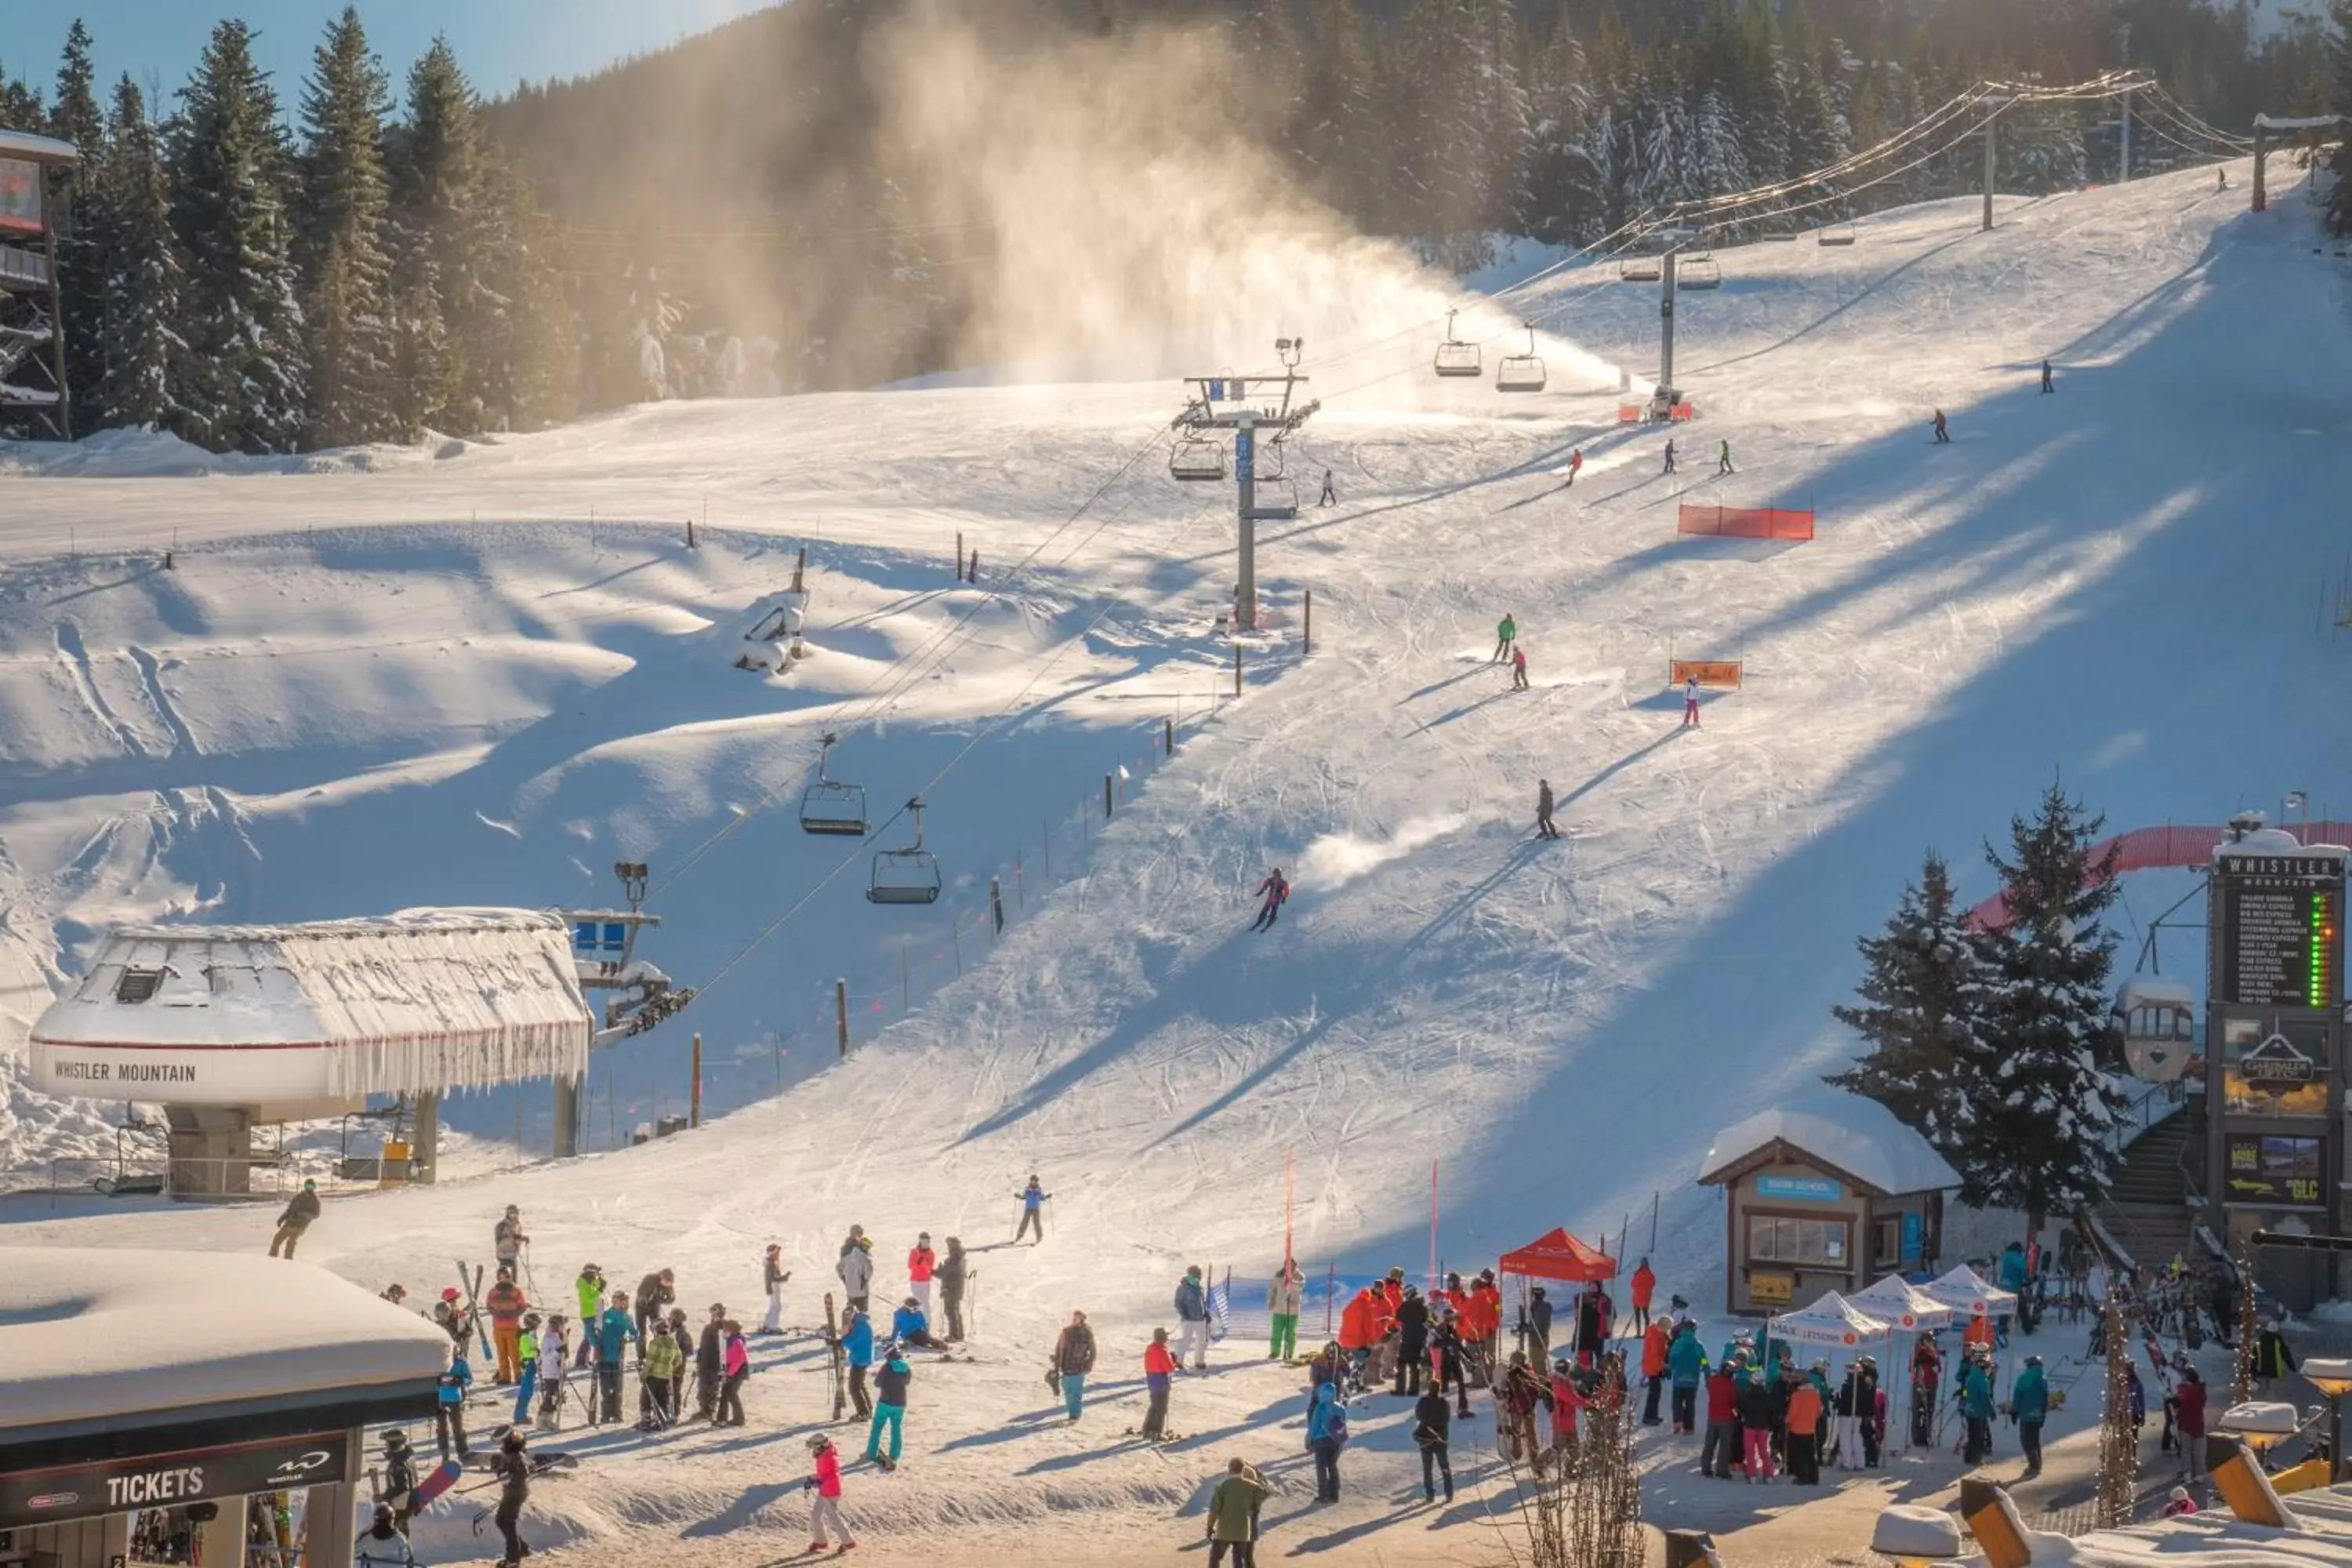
{"points": [[499, 42]]}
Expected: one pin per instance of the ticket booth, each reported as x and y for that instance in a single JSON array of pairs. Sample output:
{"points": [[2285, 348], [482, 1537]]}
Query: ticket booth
{"points": [[193, 1408], [1826, 1194]]}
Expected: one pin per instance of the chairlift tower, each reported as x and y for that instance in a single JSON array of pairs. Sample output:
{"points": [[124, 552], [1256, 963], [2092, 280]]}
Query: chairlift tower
{"points": [[1223, 403]]}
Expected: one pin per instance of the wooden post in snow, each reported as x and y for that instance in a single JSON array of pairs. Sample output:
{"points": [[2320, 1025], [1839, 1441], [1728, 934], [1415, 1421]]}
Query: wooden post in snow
{"points": [[841, 1014], [694, 1091]]}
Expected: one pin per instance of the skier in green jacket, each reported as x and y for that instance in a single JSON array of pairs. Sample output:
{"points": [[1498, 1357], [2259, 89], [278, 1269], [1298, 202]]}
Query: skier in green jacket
{"points": [[1505, 630]]}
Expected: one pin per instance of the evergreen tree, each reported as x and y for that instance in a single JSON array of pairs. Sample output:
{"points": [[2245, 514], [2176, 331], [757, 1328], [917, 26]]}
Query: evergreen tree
{"points": [[339, 241], [241, 317], [20, 106], [1559, 199], [2339, 55], [84, 221], [1922, 998], [2041, 1098], [145, 357], [439, 319], [1339, 136]]}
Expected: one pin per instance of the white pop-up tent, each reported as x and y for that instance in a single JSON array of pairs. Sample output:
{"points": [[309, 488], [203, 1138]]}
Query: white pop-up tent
{"points": [[1833, 1323], [1969, 1294], [1907, 1308]]}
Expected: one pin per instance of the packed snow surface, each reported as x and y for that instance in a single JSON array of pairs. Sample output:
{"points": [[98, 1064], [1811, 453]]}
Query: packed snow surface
{"points": [[399, 679]]}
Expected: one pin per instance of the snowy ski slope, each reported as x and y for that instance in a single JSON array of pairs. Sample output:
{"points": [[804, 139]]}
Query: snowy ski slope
{"points": [[349, 698]]}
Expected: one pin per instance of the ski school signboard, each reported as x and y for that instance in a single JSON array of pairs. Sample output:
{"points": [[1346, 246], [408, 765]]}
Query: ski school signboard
{"points": [[119, 1486], [1803, 1189]]}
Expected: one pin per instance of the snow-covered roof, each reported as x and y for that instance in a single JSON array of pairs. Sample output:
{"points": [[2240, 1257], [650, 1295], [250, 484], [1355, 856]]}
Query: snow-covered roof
{"points": [[1859, 1137], [423, 999], [2153, 991], [88, 1333], [2278, 841], [39, 149]]}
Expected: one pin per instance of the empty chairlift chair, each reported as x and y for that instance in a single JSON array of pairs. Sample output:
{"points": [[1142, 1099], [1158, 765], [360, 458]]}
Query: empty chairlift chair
{"points": [[1455, 357], [830, 808], [1641, 270], [1699, 271], [1196, 461], [1521, 373], [908, 876], [1841, 234]]}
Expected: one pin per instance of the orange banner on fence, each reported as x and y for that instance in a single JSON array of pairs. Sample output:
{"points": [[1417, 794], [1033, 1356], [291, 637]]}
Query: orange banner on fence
{"points": [[1713, 674], [1629, 413], [1745, 522]]}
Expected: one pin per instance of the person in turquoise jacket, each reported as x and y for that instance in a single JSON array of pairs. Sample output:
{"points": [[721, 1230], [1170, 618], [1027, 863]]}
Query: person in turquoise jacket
{"points": [[1325, 1424], [1976, 1408], [1686, 1359], [2028, 1406], [614, 1330]]}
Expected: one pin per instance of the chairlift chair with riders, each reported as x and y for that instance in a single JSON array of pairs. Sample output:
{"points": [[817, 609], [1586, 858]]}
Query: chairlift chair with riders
{"points": [[1196, 460], [1521, 373], [1455, 357], [830, 808], [908, 876]]}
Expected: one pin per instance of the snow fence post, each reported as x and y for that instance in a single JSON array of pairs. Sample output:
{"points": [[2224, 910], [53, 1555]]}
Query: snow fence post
{"points": [[1306, 632], [959, 555], [1167, 737], [694, 1091], [996, 903], [1237, 669], [841, 1014]]}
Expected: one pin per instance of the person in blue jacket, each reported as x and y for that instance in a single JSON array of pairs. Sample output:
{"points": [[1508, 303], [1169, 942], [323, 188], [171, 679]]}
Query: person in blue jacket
{"points": [[615, 1330], [909, 1326], [449, 1407], [1685, 1370], [1326, 1425], [858, 1340], [2012, 1276], [2028, 1406]]}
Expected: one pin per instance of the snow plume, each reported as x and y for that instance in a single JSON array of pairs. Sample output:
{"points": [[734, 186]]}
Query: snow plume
{"points": [[1132, 229], [1338, 858]]}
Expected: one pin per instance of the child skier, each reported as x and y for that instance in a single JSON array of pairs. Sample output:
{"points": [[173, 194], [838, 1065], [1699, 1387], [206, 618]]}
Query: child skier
{"points": [[825, 1512], [1033, 1211], [551, 1370], [1690, 702], [1518, 669], [1276, 890]]}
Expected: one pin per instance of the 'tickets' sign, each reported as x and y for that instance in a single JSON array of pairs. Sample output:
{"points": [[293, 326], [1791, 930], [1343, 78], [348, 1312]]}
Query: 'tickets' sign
{"points": [[160, 1480]]}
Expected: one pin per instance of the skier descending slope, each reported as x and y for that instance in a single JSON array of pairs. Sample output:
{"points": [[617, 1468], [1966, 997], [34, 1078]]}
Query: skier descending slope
{"points": [[1943, 429], [1033, 1210], [1276, 890]]}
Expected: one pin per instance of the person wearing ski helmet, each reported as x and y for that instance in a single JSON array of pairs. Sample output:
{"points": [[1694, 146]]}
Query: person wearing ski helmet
{"points": [[399, 1476], [825, 1510], [773, 1275], [512, 1468]]}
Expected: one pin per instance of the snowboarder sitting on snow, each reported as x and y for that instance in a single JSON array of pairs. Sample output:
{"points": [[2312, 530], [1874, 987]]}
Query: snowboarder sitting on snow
{"points": [[1276, 890], [1505, 630], [1518, 669], [297, 1219], [909, 1326], [1943, 430]]}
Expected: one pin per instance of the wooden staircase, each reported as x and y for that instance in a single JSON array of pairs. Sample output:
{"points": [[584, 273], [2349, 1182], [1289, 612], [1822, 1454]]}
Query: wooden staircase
{"points": [[2149, 1211]]}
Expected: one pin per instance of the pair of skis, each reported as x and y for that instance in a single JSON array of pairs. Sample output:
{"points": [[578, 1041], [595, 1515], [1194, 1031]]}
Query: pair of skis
{"points": [[836, 1355], [473, 1284]]}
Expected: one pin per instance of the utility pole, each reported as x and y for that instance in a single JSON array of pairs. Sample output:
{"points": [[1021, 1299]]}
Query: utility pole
{"points": [[1247, 422], [2127, 92], [1666, 277], [1992, 151]]}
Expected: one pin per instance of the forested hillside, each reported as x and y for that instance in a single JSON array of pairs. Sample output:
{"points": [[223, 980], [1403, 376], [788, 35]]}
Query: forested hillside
{"points": [[821, 195]]}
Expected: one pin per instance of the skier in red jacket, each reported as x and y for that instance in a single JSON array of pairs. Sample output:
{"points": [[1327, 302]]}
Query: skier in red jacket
{"points": [[1277, 892]]}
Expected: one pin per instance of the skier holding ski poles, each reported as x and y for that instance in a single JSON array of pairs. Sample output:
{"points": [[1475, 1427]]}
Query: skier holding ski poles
{"points": [[1276, 890], [1032, 1212]]}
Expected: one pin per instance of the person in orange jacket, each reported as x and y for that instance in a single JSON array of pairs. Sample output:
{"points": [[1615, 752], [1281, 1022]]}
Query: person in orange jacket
{"points": [[1386, 1296], [1484, 1320], [1654, 1343], [1980, 1332], [1568, 1401], [1358, 1331], [1644, 1284], [1804, 1433], [1159, 1377]]}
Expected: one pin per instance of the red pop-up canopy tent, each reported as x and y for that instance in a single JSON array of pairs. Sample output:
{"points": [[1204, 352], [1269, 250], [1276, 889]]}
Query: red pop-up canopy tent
{"points": [[1560, 1256]]}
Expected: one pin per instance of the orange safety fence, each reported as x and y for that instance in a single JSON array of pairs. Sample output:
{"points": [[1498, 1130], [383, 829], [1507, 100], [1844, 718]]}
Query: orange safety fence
{"points": [[1745, 522], [2164, 848], [1713, 674]]}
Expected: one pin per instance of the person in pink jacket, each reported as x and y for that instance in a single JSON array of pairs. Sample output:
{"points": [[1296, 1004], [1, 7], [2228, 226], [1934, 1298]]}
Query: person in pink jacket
{"points": [[826, 1512], [739, 1367]]}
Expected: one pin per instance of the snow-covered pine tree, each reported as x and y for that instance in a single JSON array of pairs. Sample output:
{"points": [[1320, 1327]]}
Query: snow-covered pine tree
{"points": [[435, 162], [2043, 1100], [1720, 161], [2339, 61], [86, 221], [1920, 1005], [538, 383], [145, 357], [241, 318], [1558, 197], [1339, 137], [339, 241]]}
